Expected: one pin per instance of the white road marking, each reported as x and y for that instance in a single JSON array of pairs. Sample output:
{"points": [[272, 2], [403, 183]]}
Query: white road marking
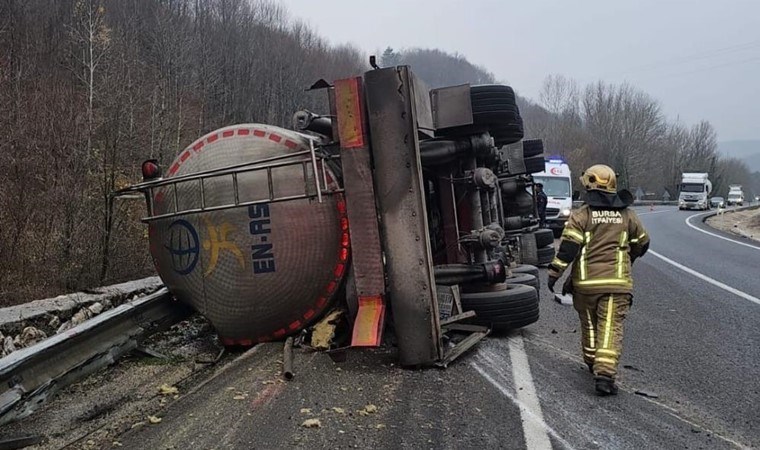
{"points": [[688, 222], [703, 277], [535, 429]]}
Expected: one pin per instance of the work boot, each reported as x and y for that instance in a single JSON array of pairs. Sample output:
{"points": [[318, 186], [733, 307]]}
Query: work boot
{"points": [[605, 385]]}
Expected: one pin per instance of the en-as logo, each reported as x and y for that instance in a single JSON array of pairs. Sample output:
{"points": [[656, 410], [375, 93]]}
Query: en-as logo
{"points": [[555, 171], [183, 246], [262, 248], [217, 242]]}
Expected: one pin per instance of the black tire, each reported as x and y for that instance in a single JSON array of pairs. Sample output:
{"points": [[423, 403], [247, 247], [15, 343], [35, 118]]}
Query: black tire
{"points": [[526, 268], [532, 147], [496, 118], [545, 255], [523, 278], [544, 237], [515, 307], [508, 134], [491, 101], [496, 107], [498, 89], [516, 297], [535, 164]]}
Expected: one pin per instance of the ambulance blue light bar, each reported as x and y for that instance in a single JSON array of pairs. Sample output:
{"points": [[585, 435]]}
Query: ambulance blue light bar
{"points": [[556, 160]]}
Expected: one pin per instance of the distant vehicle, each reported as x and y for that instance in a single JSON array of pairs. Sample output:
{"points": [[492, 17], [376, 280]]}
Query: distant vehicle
{"points": [[735, 195], [717, 202], [558, 188], [695, 187], [757, 198]]}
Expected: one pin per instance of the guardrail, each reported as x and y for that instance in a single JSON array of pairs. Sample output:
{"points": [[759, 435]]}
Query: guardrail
{"points": [[31, 376]]}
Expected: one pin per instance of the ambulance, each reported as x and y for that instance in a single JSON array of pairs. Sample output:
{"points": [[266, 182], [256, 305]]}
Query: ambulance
{"points": [[558, 187]]}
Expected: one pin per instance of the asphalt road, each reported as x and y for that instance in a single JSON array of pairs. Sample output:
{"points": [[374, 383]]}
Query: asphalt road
{"points": [[692, 346]]}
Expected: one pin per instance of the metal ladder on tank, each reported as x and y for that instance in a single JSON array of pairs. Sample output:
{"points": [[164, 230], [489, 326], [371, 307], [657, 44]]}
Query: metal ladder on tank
{"points": [[314, 187]]}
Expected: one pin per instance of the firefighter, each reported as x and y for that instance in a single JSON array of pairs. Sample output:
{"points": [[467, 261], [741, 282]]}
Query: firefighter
{"points": [[601, 240]]}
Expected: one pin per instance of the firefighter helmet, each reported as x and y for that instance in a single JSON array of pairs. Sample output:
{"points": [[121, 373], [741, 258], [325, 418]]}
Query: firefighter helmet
{"points": [[599, 177]]}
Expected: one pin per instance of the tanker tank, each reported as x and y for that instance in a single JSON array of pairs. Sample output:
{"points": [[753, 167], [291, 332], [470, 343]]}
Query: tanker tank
{"points": [[269, 266]]}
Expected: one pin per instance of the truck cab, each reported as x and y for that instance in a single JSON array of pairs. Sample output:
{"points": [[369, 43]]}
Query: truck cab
{"points": [[735, 195], [694, 191], [558, 188]]}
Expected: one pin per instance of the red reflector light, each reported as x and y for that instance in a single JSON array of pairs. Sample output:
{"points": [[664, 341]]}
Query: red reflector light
{"points": [[151, 169]]}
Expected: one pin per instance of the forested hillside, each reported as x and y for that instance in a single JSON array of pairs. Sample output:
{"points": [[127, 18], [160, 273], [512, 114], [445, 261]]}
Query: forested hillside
{"points": [[90, 88]]}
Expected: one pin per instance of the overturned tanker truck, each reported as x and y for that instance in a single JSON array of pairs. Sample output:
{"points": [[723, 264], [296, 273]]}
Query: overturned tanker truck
{"points": [[402, 203]]}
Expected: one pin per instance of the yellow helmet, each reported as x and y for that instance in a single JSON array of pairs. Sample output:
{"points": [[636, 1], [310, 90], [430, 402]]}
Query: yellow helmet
{"points": [[599, 177]]}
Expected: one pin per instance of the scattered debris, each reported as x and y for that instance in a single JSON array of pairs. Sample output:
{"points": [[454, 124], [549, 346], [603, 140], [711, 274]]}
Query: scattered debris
{"points": [[369, 409], [630, 367], [312, 423], [287, 364], [96, 308], [380, 426], [305, 410], [8, 346], [29, 336], [165, 389], [154, 420], [646, 394], [54, 322], [554, 331], [80, 316], [239, 397], [338, 410], [324, 331], [64, 327]]}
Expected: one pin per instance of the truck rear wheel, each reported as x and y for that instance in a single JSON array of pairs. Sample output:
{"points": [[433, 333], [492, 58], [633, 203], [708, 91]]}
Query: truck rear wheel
{"points": [[514, 307]]}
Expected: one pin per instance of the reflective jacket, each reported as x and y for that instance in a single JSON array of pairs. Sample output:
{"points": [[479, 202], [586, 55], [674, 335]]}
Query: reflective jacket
{"points": [[602, 239]]}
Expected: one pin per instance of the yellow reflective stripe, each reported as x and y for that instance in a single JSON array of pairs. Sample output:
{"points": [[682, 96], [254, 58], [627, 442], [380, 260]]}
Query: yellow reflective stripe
{"points": [[621, 254], [634, 241], [591, 336], [600, 281], [559, 263], [601, 359], [608, 325], [583, 262], [573, 234], [606, 351], [641, 236]]}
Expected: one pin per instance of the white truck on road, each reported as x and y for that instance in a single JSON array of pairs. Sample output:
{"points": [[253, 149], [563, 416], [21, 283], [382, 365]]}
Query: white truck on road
{"points": [[735, 195], [695, 188]]}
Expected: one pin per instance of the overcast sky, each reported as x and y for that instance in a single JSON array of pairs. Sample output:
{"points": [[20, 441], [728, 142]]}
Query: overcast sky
{"points": [[701, 59]]}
